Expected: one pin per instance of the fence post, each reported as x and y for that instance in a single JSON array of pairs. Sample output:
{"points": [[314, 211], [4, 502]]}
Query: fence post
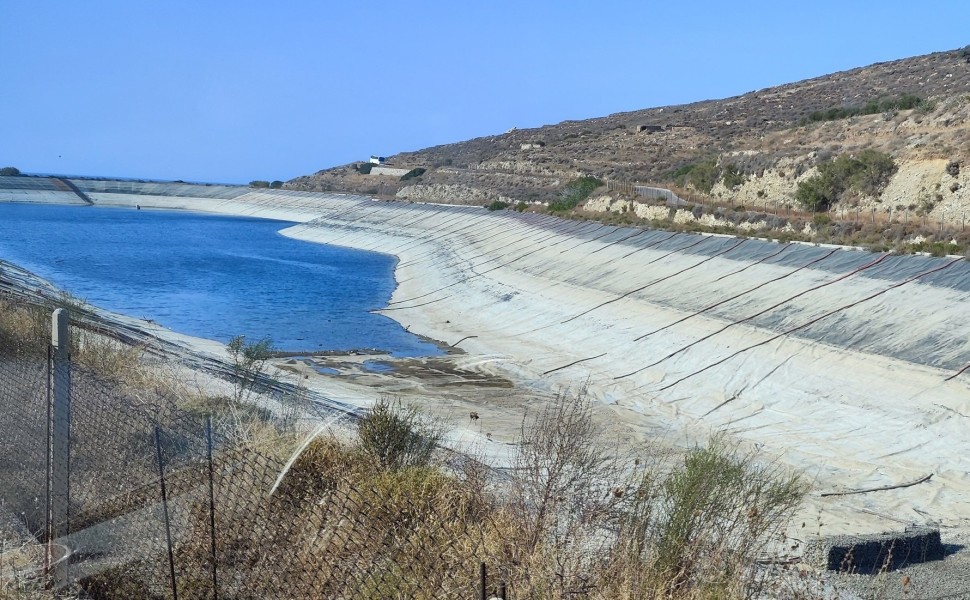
{"points": [[212, 507], [168, 525], [59, 449]]}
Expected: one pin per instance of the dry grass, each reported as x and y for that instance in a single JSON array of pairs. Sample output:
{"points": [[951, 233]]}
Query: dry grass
{"points": [[24, 329], [21, 572], [572, 519], [335, 517]]}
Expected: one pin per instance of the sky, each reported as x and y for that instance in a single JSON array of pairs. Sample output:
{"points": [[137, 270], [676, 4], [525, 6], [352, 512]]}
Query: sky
{"points": [[229, 92]]}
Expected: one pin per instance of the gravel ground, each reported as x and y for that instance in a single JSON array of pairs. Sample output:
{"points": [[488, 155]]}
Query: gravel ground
{"points": [[948, 578]]}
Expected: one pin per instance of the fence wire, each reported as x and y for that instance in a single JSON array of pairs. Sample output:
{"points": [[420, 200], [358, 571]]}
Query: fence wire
{"points": [[173, 500]]}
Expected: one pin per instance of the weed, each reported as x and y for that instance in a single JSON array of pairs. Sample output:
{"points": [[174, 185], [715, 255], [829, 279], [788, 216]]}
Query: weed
{"points": [[398, 436], [575, 192], [248, 363]]}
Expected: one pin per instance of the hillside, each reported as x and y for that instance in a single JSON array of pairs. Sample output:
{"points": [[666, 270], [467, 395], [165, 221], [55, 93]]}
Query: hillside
{"points": [[752, 149]]}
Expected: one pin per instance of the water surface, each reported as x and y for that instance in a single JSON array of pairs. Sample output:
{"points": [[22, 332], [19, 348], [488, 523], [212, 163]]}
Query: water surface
{"points": [[211, 276]]}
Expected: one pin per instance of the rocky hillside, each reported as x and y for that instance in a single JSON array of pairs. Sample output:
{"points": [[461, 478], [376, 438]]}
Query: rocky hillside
{"points": [[751, 150]]}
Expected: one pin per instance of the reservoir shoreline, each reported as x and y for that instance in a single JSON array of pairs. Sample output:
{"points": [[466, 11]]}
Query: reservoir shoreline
{"points": [[856, 398]]}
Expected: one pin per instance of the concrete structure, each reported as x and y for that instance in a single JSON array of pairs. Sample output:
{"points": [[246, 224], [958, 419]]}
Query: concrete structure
{"points": [[389, 171], [846, 364], [875, 553]]}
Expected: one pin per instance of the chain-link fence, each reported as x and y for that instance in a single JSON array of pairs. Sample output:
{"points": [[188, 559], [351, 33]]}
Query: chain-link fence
{"points": [[143, 494], [119, 481]]}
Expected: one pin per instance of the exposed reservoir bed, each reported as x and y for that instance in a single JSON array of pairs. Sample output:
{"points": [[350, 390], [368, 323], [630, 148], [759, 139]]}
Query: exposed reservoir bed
{"points": [[211, 276], [847, 365]]}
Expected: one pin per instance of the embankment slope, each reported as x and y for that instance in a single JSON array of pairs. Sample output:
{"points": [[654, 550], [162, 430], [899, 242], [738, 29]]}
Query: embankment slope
{"points": [[842, 363]]}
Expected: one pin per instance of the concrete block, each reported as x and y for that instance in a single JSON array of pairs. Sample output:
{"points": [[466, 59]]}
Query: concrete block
{"points": [[875, 553]]}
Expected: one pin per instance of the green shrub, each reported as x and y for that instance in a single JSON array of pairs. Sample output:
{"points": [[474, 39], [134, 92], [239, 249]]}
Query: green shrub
{"points": [[248, 362], [497, 205], [521, 206], [9, 171], [701, 175], [816, 193], [864, 174], [413, 173], [364, 168], [872, 107], [720, 501], [937, 248], [398, 436], [259, 183], [732, 176], [575, 192], [277, 184]]}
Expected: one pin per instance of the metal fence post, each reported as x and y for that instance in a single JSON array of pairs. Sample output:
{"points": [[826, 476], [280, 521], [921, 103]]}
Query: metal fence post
{"points": [[168, 524], [212, 507], [59, 451]]}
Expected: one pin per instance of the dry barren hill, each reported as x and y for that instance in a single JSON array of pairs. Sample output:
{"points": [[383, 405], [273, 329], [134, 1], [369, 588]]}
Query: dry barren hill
{"points": [[752, 149]]}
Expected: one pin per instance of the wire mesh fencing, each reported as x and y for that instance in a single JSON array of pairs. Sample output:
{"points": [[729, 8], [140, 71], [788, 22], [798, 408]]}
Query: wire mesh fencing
{"points": [[168, 498]]}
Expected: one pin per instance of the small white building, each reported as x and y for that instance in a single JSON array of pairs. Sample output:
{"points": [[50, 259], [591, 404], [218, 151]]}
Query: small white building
{"points": [[377, 160]]}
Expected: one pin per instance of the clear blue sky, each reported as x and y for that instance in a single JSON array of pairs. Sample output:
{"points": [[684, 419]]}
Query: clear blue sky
{"points": [[242, 90]]}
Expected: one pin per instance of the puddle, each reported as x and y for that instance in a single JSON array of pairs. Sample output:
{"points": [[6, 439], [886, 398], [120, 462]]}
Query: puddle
{"points": [[375, 366]]}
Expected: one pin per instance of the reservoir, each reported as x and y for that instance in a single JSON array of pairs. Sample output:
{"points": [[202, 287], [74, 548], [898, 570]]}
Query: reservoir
{"points": [[210, 276]]}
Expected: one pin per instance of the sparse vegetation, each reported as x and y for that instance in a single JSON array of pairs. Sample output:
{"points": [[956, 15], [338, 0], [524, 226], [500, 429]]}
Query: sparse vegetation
{"points": [[413, 173], [248, 363], [732, 176], [575, 192], [873, 107], [762, 135], [258, 183], [380, 515], [497, 205], [24, 329], [397, 436], [937, 248], [864, 174], [9, 171], [953, 168], [700, 175]]}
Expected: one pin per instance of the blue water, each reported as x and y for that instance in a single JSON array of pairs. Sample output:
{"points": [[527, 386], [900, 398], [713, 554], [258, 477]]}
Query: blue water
{"points": [[211, 276]]}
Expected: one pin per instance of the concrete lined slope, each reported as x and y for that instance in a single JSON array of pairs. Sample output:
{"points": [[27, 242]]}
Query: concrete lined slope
{"points": [[43, 190], [835, 360], [279, 205]]}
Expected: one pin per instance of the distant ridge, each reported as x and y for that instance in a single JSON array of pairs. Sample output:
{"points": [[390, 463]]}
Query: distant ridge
{"points": [[766, 135]]}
